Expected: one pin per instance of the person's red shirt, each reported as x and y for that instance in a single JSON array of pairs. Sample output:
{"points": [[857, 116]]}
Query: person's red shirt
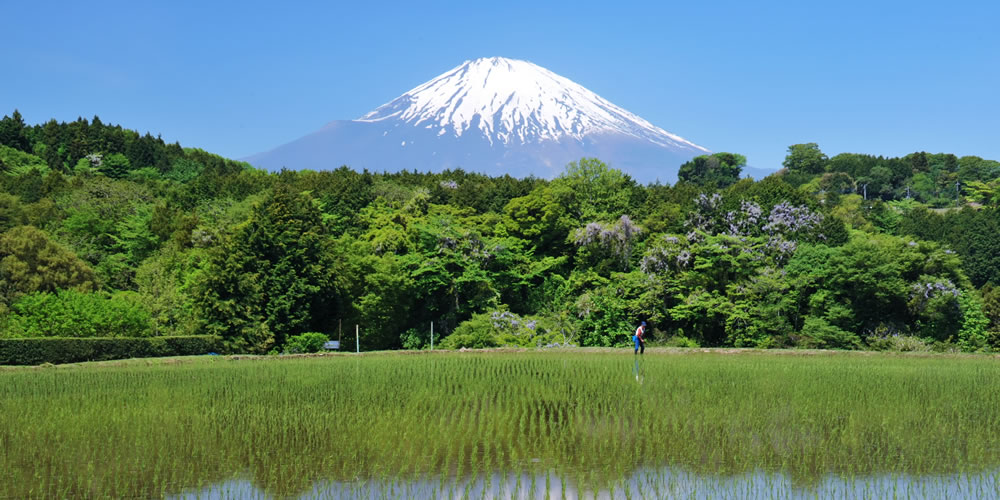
{"points": [[639, 331]]}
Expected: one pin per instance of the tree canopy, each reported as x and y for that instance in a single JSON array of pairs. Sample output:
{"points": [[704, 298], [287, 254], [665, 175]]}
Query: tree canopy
{"points": [[717, 170], [155, 239]]}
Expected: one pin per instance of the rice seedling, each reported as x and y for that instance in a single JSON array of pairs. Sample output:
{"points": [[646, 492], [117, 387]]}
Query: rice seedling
{"points": [[561, 424]]}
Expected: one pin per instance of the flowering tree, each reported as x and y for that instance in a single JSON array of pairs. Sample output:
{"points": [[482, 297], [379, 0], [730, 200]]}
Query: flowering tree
{"points": [[618, 238]]}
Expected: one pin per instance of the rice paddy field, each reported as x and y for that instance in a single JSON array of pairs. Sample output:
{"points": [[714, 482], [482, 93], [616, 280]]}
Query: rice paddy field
{"points": [[533, 424]]}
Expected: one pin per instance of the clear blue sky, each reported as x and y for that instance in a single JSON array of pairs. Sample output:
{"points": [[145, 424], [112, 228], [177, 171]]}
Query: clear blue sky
{"points": [[236, 78]]}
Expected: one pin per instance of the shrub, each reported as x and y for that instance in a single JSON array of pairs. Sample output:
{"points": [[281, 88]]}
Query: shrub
{"points": [[680, 341], [34, 351], [71, 313], [415, 338], [31, 261], [476, 333], [306, 342], [818, 333], [899, 343], [501, 328], [606, 315]]}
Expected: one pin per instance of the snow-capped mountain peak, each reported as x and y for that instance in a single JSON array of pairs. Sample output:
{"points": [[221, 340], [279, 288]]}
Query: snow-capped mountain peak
{"points": [[512, 102], [493, 115]]}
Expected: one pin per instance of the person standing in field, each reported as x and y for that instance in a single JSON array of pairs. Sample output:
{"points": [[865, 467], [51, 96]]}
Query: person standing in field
{"points": [[640, 344]]}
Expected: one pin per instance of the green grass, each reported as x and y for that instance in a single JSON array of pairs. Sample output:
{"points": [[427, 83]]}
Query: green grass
{"points": [[147, 430]]}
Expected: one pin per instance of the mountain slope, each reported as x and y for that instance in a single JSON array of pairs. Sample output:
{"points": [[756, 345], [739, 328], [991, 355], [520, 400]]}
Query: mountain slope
{"points": [[495, 116]]}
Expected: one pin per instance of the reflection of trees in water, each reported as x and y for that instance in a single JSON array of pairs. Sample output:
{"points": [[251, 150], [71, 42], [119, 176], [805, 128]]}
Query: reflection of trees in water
{"points": [[645, 482]]}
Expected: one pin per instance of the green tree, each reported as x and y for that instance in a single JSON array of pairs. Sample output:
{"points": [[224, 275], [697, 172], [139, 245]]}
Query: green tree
{"points": [[608, 240], [987, 193], [973, 335], [380, 292], [30, 261], [11, 212], [879, 283], [271, 279], [545, 217], [600, 192], [450, 268], [165, 283], [717, 170], [27, 184], [13, 133], [115, 166], [805, 158], [134, 237], [974, 168], [609, 310]]}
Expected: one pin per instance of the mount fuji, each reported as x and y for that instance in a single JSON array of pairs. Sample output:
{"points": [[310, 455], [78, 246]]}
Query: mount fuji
{"points": [[496, 116]]}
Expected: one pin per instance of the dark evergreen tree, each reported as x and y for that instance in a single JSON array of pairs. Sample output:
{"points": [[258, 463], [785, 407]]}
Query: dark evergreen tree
{"points": [[271, 279], [140, 152], [12, 132]]}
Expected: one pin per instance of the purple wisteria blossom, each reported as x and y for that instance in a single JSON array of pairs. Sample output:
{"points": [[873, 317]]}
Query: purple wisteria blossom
{"points": [[922, 293], [468, 244], [683, 258], [447, 242], [589, 234], [626, 229], [785, 218], [505, 320], [746, 232], [708, 203], [703, 216], [936, 288], [781, 247], [662, 258], [751, 211], [745, 221], [617, 237]]}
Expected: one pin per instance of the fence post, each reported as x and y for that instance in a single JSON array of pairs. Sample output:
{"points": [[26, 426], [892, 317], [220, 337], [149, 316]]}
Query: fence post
{"points": [[432, 335], [357, 340]]}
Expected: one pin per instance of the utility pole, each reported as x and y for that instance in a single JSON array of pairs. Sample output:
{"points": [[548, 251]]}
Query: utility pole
{"points": [[357, 340], [432, 335], [865, 188], [958, 194]]}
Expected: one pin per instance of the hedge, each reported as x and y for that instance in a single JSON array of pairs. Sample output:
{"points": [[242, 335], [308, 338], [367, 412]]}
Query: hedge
{"points": [[38, 350]]}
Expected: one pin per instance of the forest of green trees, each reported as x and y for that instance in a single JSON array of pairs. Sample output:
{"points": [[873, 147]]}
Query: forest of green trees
{"points": [[105, 232]]}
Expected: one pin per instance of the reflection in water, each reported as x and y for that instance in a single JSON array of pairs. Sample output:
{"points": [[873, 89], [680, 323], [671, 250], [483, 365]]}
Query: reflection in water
{"points": [[639, 371], [644, 483]]}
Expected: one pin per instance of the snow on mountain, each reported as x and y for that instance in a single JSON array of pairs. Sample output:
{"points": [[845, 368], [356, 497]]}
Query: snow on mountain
{"points": [[512, 101], [492, 115]]}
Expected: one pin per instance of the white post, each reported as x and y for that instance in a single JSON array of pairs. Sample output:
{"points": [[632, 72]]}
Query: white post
{"points": [[357, 340], [432, 335]]}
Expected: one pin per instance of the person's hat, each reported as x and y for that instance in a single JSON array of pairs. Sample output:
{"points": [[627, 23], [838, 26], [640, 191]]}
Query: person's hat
{"points": [[643, 323]]}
